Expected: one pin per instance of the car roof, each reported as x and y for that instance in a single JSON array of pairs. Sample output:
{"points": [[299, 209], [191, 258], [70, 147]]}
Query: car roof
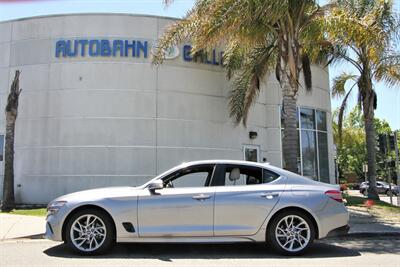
{"points": [[264, 165], [225, 161]]}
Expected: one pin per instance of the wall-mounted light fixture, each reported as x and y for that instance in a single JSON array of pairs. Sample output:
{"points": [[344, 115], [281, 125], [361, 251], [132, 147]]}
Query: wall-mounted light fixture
{"points": [[252, 135]]}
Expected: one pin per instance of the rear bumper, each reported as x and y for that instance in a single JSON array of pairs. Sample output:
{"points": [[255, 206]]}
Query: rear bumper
{"points": [[340, 231]]}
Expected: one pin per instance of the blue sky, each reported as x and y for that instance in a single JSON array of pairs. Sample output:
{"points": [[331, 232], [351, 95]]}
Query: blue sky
{"points": [[388, 98]]}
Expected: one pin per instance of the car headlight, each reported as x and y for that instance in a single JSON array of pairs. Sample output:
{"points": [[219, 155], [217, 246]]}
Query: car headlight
{"points": [[55, 206]]}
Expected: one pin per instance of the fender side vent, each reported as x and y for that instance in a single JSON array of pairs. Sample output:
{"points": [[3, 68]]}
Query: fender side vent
{"points": [[128, 227]]}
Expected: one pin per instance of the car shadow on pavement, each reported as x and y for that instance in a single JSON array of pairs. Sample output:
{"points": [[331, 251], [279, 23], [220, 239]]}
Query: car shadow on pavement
{"points": [[167, 252]]}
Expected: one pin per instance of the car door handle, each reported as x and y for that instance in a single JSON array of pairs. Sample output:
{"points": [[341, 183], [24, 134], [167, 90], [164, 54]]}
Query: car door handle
{"points": [[269, 195], [201, 197]]}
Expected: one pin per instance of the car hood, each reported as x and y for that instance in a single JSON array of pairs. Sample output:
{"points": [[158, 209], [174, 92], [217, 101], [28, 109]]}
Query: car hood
{"points": [[100, 193]]}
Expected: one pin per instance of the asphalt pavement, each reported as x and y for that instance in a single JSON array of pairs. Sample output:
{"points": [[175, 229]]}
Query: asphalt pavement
{"points": [[328, 252], [370, 243]]}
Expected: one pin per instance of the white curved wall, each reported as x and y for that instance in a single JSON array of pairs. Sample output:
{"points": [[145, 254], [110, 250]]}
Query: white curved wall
{"points": [[88, 122]]}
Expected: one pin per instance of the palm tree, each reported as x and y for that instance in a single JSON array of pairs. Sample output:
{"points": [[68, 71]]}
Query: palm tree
{"points": [[258, 36], [366, 32], [11, 116]]}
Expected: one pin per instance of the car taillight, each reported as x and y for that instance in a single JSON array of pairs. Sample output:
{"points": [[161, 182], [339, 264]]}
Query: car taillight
{"points": [[335, 195]]}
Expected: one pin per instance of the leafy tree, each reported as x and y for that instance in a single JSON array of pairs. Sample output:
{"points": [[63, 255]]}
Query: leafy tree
{"points": [[258, 37], [364, 33], [352, 153]]}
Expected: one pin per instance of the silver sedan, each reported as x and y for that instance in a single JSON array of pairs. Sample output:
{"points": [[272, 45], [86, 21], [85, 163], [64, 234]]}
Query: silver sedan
{"points": [[203, 201]]}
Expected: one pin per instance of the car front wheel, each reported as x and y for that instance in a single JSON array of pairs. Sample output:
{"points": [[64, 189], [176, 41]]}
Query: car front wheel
{"points": [[90, 232], [291, 233]]}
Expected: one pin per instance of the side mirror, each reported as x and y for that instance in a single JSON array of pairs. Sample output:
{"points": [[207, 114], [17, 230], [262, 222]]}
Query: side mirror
{"points": [[155, 185]]}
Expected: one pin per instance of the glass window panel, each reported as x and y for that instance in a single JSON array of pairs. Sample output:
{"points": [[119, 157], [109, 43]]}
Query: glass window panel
{"points": [[1, 147], [196, 179], [307, 118], [251, 154], [248, 176], [308, 146], [195, 176], [298, 153], [269, 176], [283, 154], [323, 157], [321, 120]]}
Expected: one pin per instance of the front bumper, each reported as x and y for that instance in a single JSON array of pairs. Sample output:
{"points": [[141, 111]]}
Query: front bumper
{"points": [[340, 231], [54, 227]]}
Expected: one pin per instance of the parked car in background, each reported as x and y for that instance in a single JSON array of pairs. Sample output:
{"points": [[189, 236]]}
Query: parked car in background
{"points": [[382, 187], [203, 201]]}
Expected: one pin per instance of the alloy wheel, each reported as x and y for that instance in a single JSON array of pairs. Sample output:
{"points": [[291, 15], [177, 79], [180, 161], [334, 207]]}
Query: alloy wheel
{"points": [[292, 233], [88, 232]]}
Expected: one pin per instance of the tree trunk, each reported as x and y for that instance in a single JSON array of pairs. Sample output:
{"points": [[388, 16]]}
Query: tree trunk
{"points": [[290, 135], [11, 116], [288, 78], [370, 135]]}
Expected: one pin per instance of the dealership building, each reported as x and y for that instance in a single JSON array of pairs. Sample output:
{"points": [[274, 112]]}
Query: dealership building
{"points": [[95, 112]]}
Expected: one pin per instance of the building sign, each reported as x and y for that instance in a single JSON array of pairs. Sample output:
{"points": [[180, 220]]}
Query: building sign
{"points": [[169, 53], [130, 48], [206, 57], [101, 48]]}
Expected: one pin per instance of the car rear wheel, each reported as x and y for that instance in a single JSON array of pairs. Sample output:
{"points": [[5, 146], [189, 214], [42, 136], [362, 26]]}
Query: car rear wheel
{"points": [[90, 232], [291, 233]]}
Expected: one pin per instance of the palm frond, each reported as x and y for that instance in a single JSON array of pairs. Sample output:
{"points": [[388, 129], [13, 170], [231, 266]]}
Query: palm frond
{"points": [[390, 75], [233, 57], [339, 82], [278, 71], [388, 70], [306, 66], [247, 81], [177, 33], [342, 110], [237, 99]]}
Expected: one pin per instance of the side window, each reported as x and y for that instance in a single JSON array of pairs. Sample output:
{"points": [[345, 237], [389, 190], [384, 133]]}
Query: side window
{"points": [[194, 176], [242, 175], [269, 176]]}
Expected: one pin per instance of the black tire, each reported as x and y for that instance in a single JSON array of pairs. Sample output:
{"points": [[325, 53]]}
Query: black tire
{"points": [[272, 239], [109, 239]]}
